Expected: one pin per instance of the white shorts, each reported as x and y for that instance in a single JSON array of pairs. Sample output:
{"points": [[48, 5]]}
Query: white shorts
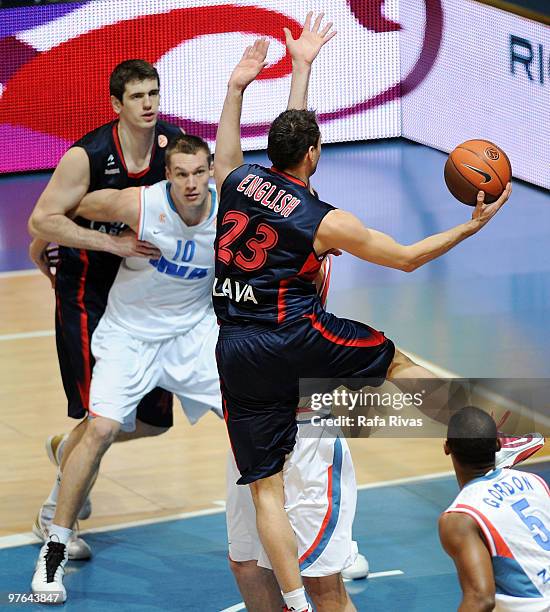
{"points": [[127, 368], [320, 499]]}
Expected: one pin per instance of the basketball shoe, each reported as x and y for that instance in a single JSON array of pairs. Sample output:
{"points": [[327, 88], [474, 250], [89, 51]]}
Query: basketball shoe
{"points": [[358, 570], [49, 571], [515, 449], [308, 609], [54, 447], [77, 548]]}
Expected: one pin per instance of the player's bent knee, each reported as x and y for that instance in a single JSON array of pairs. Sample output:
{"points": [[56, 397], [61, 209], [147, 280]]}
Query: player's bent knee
{"points": [[267, 490], [101, 432], [242, 569], [399, 360]]}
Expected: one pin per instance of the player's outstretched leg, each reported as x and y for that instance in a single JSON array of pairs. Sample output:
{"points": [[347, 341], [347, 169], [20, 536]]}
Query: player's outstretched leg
{"points": [[278, 538], [59, 448], [79, 472], [514, 449]]}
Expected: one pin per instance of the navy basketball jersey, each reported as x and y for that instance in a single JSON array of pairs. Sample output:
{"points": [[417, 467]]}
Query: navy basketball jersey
{"points": [[108, 171], [265, 262]]}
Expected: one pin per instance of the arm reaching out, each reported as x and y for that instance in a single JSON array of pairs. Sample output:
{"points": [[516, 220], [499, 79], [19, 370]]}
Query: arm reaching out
{"points": [[119, 205], [50, 222], [342, 230], [303, 51], [229, 153]]}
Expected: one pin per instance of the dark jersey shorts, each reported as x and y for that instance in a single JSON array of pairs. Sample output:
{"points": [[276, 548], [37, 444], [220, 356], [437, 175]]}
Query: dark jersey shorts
{"points": [[260, 368], [83, 277]]}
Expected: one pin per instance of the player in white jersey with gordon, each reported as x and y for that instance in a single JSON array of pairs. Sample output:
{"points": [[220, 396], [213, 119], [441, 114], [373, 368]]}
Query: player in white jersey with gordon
{"points": [[497, 530]]}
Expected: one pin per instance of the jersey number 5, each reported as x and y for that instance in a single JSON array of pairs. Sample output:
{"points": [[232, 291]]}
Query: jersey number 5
{"points": [[266, 238], [538, 530]]}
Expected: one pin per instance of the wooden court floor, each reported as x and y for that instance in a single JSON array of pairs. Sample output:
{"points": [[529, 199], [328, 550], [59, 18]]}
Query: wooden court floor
{"points": [[180, 471]]}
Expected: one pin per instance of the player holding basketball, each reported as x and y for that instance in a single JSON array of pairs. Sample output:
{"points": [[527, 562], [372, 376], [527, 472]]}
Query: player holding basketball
{"points": [[271, 239], [126, 152], [497, 530]]}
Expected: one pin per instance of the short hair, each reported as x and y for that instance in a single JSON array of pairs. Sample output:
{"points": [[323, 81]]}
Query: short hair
{"points": [[472, 436], [189, 144], [128, 71], [290, 136]]}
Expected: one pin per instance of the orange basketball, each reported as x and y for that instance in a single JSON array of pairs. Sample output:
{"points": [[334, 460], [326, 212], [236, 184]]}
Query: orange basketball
{"points": [[477, 165]]}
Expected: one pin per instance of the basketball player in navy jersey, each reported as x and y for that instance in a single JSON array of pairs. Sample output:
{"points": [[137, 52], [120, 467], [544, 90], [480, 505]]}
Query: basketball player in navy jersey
{"points": [[497, 530], [127, 152], [272, 237]]}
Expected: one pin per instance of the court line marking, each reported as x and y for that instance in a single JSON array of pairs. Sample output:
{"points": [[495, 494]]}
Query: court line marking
{"points": [[20, 539], [41, 333], [235, 608], [16, 273], [241, 606]]}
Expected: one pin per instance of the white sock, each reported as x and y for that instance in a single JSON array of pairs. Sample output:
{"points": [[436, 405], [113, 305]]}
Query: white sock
{"points": [[296, 600], [52, 497], [59, 534]]}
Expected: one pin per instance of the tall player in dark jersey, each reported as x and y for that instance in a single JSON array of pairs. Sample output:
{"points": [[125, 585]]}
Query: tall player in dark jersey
{"points": [[127, 152], [272, 237]]}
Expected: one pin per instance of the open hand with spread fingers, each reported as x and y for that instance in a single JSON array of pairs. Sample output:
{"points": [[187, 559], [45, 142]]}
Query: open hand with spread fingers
{"points": [[251, 64], [306, 48]]}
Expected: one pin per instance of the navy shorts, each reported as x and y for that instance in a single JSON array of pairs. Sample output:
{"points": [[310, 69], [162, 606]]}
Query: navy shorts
{"points": [[260, 370], [79, 307]]}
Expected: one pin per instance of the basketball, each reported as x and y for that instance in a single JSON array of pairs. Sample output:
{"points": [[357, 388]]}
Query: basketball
{"points": [[477, 165]]}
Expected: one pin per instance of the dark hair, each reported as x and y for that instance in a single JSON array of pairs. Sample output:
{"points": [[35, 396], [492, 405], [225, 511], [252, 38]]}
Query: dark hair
{"points": [[128, 71], [189, 144], [290, 137], [472, 436]]}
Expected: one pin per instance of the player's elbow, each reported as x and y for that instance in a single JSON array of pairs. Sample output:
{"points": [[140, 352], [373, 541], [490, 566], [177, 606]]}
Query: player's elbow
{"points": [[479, 601], [487, 604], [409, 260], [35, 223], [408, 263], [408, 266]]}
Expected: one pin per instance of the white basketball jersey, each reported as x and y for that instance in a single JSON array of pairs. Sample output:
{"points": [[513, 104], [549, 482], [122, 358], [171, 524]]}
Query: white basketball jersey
{"points": [[159, 299], [512, 510]]}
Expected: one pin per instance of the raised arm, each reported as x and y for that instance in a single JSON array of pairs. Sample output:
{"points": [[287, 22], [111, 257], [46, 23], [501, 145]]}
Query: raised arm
{"points": [[462, 541], [303, 51], [229, 154], [342, 230], [50, 222]]}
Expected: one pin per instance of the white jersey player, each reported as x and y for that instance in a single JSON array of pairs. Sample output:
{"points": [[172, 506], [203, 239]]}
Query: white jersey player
{"points": [[159, 327], [497, 530]]}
